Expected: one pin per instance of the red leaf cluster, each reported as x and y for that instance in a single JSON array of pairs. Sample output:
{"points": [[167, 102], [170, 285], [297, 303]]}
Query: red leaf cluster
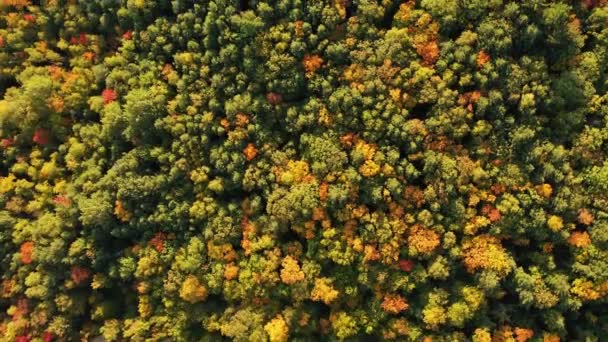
{"points": [[406, 265], [109, 95], [29, 18], [41, 136], [7, 142], [80, 274], [590, 4], [81, 39], [274, 98], [47, 336]]}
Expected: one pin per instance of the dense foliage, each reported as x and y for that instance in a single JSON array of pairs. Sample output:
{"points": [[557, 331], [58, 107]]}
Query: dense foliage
{"points": [[273, 170]]}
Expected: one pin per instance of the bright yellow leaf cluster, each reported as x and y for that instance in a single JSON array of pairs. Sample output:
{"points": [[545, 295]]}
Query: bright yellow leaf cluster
{"points": [[555, 223], [486, 252], [277, 329], [324, 291], [192, 290], [291, 272]]}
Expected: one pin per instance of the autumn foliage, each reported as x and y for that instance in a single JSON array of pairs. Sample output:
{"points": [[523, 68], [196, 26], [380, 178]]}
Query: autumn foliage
{"points": [[108, 96], [288, 170], [26, 250]]}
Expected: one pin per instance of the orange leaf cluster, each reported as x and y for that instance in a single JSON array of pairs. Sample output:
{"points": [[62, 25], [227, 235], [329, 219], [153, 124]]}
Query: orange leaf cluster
{"points": [[544, 190], [225, 123], [585, 217], [387, 71], [56, 103], [438, 143], [398, 327], [469, 97], [425, 35], [62, 200], [223, 251], [370, 253], [167, 70], [89, 56], [498, 189], [26, 250], [56, 72], [248, 233], [394, 304], [482, 58], [523, 334], [551, 338], [298, 25], [323, 191], [119, 210], [242, 120], [414, 195], [423, 240], [318, 214], [312, 63], [158, 241], [8, 285], [503, 333], [429, 52], [231, 272], [250, 152], [492, 213], [579, 239], [348, 139]]}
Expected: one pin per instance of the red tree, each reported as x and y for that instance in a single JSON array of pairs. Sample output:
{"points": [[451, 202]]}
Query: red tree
{"points": [[109, 95]]}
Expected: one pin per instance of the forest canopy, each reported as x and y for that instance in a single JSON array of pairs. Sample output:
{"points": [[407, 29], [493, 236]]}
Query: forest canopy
{"points": [[292, 170]]}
